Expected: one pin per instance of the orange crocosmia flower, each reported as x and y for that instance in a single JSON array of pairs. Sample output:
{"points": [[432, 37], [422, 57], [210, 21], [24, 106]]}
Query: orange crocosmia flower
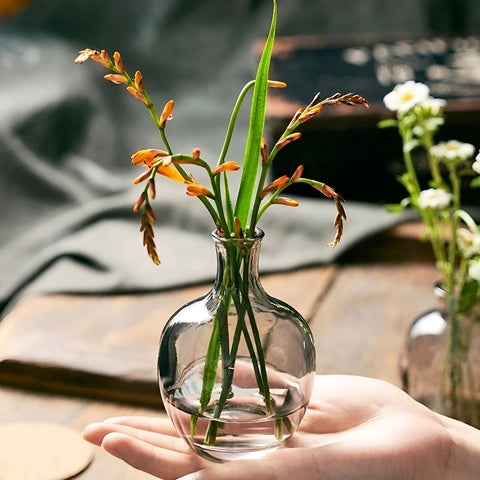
{"points": [[196, 190], [226, 167], [274, 186], [148, 156], [139, 81], [310, 113], [276, 84], [167, 113], [289, 202], [100, 57], [196, 152], [264, 151], [171, 172], [288, 139], [297, 173], [329, 192], [84, 55], [117, 58], [134, 92], [115, 78]]}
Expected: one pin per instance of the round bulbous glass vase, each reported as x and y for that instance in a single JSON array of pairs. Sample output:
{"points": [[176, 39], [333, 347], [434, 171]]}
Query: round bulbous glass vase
{"points": [[442, 361], [236, 367]]}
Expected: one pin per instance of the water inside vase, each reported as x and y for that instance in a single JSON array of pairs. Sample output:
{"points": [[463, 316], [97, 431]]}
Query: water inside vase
{"points": [[245, 430]]}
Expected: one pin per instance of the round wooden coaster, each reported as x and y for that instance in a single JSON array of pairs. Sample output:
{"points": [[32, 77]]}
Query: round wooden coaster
{"points": [[41, 451]]}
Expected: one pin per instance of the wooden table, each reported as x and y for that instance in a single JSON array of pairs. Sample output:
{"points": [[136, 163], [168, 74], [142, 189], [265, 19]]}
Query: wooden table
{"points": [[77, 359]]}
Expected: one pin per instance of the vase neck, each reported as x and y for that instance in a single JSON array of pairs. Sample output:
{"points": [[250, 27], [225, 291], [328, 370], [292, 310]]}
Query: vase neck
{"points": [[238, 261]]}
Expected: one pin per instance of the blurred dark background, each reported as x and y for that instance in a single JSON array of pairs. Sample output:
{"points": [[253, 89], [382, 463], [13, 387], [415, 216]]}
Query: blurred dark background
{"points": [[200, 52], [66, 135]]}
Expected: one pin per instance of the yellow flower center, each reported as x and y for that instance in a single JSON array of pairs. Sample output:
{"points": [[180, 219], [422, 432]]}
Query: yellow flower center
{"points": [[406, 96]]}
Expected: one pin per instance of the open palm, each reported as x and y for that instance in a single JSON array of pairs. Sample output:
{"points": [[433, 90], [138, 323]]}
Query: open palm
{"points": [[354, 428]]}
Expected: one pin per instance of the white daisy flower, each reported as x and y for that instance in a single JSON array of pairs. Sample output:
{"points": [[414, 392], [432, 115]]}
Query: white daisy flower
{"points": [[468, 242], [474, 269], [434, 105], [476, 166], [406, 95], [453, 150], [435, 198]]}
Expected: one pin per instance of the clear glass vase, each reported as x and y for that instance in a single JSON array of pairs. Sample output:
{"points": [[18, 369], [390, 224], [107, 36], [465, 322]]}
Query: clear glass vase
{"points": [[236, 367], [442, 361]]}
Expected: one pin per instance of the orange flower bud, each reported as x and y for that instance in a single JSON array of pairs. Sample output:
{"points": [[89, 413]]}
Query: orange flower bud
{"points": [[149, 213], [338, 236], [274, 186], [338, 222], [310, 113], [279, 182], [151, 189], [196, 153], [341, 214], [148, 229], [238, 227], [167, 113], [264, 151], [348, 99], [148, 238], [196, 190], [288, 139], [297, 173], [152, 252], [104, 59], [297, 115], [133, 91], [142, 177], [276, 84], [139, 81], [145, 225], [329, 192], [115, 78], [117, 59], [226, 167], [139, 202], [289, 202]]}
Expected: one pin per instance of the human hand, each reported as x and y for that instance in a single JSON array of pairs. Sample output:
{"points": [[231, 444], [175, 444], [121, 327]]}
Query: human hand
{"points": [[354, 428]]}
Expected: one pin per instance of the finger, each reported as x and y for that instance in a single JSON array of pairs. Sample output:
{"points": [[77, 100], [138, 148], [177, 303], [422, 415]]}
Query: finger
{"points": [[159, 462], [154, 424], [95, 433]]}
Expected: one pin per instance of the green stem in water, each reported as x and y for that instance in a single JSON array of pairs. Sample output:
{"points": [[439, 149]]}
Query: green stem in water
{"points": [[235, 293]]}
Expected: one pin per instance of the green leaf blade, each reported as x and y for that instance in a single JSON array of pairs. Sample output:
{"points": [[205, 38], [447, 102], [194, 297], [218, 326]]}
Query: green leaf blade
{"points": [[255, 128]]}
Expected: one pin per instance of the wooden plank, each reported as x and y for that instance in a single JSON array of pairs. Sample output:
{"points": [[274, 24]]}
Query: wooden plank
{"points": [[361, 326], [106, 346]]}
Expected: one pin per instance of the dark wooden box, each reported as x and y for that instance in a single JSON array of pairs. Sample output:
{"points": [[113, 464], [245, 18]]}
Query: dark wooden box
{"points": [[343, 146]]}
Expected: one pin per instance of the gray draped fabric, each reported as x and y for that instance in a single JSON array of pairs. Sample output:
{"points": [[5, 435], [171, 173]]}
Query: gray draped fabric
{"points": [[66, 223]]}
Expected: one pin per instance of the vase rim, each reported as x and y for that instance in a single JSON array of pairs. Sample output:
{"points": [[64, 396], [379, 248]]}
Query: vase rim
{"points": [[258, 235]]}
